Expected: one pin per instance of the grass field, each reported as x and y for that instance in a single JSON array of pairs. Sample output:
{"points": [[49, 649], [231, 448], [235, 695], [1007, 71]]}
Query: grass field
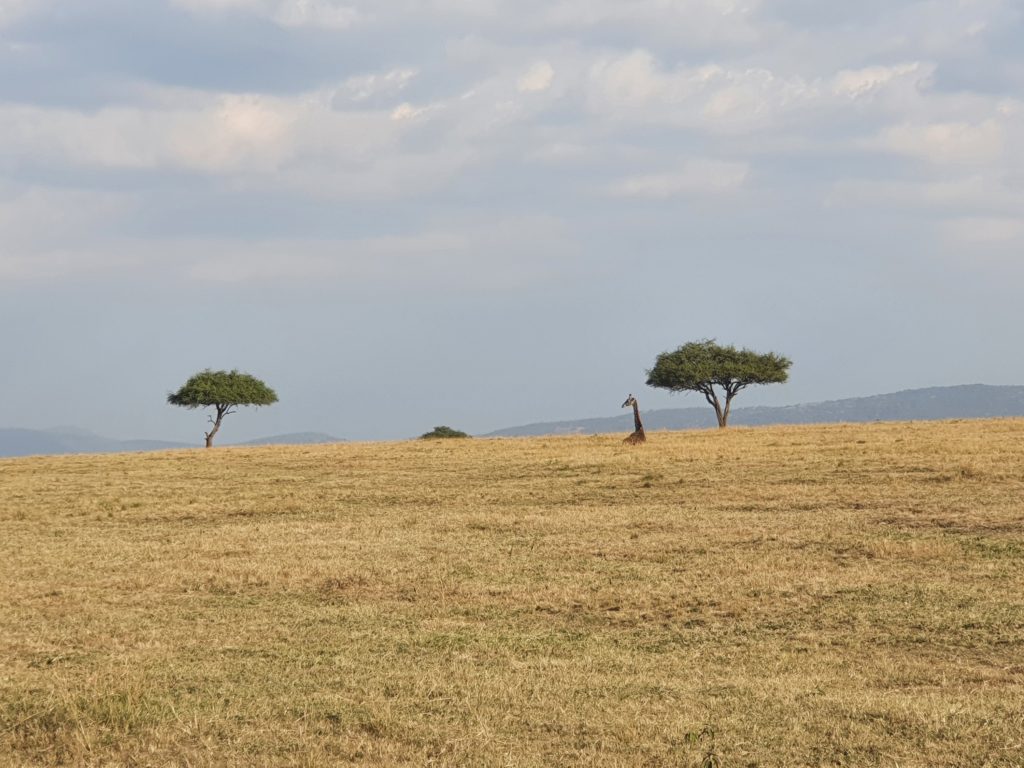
{"points": [[824, 595]]}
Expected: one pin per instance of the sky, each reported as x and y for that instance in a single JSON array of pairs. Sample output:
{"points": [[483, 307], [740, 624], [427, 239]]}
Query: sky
{"points": [[483, 213]]}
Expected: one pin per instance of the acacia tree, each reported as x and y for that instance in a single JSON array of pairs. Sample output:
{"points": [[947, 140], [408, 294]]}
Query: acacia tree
{"points": [[700, 366], [224, 391]]}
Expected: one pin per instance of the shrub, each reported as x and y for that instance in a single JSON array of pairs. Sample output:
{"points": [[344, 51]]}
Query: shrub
{"points": [[442, 432]]}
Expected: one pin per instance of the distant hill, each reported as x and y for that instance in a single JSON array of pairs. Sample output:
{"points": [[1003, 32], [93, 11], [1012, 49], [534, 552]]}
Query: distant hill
{"points": [[972, 401], [64, 440], [37, 442]]}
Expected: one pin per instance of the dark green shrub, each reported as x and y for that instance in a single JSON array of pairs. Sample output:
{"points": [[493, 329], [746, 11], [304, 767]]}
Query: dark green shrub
{"points": [[442, 432]]}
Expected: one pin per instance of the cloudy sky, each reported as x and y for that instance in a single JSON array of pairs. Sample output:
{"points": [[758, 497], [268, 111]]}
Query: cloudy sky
{"points": [[480, 213]]}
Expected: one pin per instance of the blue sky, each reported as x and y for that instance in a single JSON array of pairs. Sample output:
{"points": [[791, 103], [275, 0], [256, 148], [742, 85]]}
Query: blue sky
{"points": [[480, 213]]}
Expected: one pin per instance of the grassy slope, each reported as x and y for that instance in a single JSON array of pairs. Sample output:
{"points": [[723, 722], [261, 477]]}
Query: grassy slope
{"points": [[840, 595]]}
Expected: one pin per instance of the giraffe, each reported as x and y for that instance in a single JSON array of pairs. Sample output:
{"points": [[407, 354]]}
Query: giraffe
{"points": [[638, 435]]}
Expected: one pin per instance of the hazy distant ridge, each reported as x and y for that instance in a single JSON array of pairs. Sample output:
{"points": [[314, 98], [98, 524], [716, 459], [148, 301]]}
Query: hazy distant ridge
{"points": [[295, 438], [971, 401], [44, 442]]}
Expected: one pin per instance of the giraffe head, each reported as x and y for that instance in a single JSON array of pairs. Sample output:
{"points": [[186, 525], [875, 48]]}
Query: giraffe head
{"points": [[629, 401]]}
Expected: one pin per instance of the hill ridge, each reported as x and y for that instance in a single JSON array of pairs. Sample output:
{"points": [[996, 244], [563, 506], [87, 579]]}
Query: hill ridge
{"points": [[962, 401], [58, 441]]}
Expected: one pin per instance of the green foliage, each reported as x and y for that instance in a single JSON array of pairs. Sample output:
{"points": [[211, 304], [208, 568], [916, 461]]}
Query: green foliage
{"points": [[700, 366], [224, 391], [442, 432], [222, 388]]}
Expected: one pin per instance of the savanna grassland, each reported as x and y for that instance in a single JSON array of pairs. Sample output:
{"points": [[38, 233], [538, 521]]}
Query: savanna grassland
{"points": [[823, 595]]}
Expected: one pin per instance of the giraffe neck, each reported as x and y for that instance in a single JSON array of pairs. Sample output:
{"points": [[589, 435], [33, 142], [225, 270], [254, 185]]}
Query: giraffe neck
{"points": [[636, 417]]}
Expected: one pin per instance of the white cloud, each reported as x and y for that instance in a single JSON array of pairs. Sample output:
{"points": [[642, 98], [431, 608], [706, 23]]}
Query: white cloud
{"points": [[348, 140], [407, 111], [390, 176], [556, 85], [206, 133], [561, 153], [489, 250], [723, 97], [227, 132], [633, 88], [945, 143], [369, 258], [750, 98], [286, 13], [216, 5], [537, 78], [987, 231], [493, 106], [698, 21], [980, 192], [859, 83], [13, 10], [317, 13], [364, 87], [475, 252], [59, 264], [38, 214], [44, 231], [695, 177]]}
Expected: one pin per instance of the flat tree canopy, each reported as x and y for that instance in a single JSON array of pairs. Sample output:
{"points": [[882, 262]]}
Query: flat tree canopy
{"points": [[223, 390], [700, 366]]}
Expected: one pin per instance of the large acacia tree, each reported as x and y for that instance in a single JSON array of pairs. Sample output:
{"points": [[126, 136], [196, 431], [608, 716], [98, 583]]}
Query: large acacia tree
{"points": [[224, 391], [701, 366]]}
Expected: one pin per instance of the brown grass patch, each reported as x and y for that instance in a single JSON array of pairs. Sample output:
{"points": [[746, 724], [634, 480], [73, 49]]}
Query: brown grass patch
{"points": [[835, 595]]}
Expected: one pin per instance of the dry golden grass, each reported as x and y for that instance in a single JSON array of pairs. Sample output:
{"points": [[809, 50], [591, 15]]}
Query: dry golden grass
{"points": [[835, 595]]}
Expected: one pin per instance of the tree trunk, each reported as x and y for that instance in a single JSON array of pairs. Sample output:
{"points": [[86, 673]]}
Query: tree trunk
{"points": [[216, 426], [718, 410], [723, 421]]}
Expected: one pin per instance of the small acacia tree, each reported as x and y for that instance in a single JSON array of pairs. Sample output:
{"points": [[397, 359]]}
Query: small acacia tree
{"points": [[700, 366], [223, 390]]}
